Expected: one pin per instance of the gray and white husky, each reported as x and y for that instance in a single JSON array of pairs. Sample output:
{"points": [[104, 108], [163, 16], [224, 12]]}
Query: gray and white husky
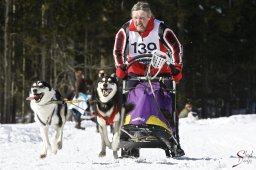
{"points": [[49, 110]]}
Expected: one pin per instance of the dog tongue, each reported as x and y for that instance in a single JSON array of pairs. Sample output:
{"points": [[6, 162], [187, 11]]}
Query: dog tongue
{"points": [[32, 97], [106, 91]]}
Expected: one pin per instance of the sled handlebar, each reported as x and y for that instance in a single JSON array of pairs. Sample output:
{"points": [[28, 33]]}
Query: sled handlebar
{"points": [[144, 78], [146, 59], [143, 58]]}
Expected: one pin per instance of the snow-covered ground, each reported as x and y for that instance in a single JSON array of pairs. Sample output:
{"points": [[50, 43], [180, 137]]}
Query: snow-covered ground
{"points": [[209, 144]]}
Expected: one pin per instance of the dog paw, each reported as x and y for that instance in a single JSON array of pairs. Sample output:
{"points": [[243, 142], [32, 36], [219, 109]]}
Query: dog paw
{"points": [[43, 152], [42, 156], [115, 154], [102, 154], [50, 148], [59, 144], [54, 151]]}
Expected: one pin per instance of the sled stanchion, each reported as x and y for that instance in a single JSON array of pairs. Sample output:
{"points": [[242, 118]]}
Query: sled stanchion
{"points": [[174, 102], [175, 114], [120, 108]]}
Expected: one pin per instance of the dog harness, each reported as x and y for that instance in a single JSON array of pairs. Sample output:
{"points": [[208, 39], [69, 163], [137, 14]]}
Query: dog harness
{"points": [[49, 121], [110, 120]]}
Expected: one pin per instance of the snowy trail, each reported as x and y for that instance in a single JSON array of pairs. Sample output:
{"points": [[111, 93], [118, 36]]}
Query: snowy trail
{"points": [[209, 144]]}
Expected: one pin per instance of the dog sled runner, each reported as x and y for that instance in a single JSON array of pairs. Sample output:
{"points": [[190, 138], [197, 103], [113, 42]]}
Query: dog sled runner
{"points": [[153, 121]]}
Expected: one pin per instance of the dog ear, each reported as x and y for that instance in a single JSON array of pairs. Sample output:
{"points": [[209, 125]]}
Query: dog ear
{"points": [[113, 75], [94, 91], [46, 84], [58, 95]]}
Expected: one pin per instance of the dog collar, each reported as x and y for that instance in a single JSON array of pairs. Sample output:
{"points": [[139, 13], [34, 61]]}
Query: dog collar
{"points": [[110, 120]]}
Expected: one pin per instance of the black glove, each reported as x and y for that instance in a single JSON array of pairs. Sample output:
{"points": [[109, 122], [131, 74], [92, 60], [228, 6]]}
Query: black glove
{"points": [[175, 71]]}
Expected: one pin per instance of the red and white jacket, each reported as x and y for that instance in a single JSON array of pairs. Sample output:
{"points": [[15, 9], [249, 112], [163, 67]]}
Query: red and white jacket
{"points": [[129, 42]]}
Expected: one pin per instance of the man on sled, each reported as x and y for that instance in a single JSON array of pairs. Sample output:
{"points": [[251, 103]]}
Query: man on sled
{"points": [[144, 34]]}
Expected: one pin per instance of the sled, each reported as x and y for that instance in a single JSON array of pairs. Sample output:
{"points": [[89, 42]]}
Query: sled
{"points": [[153, 121]]}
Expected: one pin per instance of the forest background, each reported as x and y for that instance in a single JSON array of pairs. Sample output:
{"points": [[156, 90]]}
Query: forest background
{"points": [[46, 40]]}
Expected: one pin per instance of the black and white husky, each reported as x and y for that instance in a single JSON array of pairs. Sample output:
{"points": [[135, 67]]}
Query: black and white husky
{"points": [[108, 112], [49, 111]]}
